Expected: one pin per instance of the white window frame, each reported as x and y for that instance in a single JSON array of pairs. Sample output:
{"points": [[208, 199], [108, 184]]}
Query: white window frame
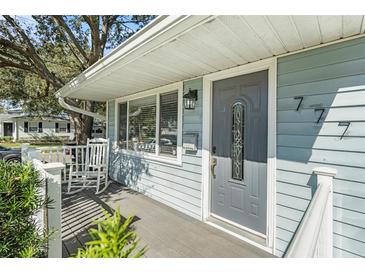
{"points": [[156, 92]]}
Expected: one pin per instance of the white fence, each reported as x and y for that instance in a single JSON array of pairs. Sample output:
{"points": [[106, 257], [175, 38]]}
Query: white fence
{"points": [[314, 236], [48, 219]]}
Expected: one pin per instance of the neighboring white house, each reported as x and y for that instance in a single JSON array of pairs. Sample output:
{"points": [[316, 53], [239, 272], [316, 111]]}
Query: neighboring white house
{"points": [[99, 130], [21, 126]]}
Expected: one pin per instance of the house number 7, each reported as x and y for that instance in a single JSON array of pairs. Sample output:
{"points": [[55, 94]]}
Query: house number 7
{"points": [[344, 124]]}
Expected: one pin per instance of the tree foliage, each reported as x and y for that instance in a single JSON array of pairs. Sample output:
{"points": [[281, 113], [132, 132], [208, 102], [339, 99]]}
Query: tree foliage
{"points": [[39, 54]]}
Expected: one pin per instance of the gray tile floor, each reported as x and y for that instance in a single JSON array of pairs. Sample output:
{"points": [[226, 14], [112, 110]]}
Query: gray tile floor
{"points": [[166, 232]]}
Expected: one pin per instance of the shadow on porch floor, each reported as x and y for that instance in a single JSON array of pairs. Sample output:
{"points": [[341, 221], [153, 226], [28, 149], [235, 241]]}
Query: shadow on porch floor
{"points": [[167, 232]]}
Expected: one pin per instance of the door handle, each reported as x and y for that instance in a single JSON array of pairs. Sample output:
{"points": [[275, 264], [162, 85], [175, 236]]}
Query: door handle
{"points": [[213, 165]]}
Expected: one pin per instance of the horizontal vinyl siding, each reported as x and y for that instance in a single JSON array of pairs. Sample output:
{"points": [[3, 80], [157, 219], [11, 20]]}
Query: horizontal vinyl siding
{"points": [[174, 185], [332, 78]]}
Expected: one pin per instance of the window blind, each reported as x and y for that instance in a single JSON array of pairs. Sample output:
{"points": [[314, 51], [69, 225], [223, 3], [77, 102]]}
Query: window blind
{"points": [[168, 123]]}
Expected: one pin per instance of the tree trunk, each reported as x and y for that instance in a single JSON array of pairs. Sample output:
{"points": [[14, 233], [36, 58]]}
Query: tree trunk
{"points": [[83, 127], [83, 124]]}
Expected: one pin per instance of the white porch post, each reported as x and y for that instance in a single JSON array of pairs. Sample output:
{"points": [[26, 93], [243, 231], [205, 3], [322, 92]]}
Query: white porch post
{"points": [[16, 130], [54, 213], [15, 124], [28, 154], [325, 241]]}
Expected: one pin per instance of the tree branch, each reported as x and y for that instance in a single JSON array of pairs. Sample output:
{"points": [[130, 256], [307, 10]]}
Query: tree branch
{"points": [[87, 20], [21, 32], [107, 22], [12, 57], [13, 46], [31, 52], [93, 23], [81, 62], [59, 20], [8, 63]]}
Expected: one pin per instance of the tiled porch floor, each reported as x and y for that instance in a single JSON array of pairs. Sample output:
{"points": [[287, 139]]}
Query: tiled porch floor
{"points": [[167, 232]]}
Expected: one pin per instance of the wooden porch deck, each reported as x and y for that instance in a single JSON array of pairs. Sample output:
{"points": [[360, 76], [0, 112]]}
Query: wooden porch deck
{"points": [[167, 232]]}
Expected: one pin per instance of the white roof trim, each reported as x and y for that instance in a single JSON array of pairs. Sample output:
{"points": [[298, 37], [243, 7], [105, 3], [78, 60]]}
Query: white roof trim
{"points": [[145, 35]]}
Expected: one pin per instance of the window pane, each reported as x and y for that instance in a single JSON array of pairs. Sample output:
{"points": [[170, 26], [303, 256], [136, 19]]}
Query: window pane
{"points": [[168, 124], [122, 139], [63, 127], [33, 127], [237, 141], [142, 124]]}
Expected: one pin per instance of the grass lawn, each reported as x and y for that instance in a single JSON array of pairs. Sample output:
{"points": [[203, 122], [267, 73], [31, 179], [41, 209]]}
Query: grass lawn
{"points": [[18, 145]]}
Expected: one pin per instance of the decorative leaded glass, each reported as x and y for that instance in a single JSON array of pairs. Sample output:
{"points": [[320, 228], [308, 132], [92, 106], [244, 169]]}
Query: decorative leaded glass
{"points": [[237, 140]]}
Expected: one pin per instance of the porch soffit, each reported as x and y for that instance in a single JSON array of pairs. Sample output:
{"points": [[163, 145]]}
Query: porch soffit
{"points": [[177, 48]]}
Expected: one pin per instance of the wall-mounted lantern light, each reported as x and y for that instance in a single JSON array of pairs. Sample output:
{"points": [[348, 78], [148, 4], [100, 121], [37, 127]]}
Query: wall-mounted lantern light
{"points": [[190, 99]]}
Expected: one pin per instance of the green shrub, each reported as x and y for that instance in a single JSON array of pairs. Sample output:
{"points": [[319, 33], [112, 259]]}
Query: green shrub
{"points": [[112, 239], [19, 201], [6, 139]]}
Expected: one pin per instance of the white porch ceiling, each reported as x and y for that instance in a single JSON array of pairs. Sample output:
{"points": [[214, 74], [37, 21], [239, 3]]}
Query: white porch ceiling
{"points": [[184, 47]]}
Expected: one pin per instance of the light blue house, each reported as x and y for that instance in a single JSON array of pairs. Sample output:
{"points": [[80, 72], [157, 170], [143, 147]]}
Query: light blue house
{"points": [[253, 124]]}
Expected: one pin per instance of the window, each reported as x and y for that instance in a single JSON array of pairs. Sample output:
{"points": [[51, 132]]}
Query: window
{"points": [[150, 124], [33, 127], [63, 127], [142, 124], [26, 127], [68, 127], [98, 130], [40, 127], [168, 124]]}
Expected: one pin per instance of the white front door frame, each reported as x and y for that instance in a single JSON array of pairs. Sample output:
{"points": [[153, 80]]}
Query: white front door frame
{"points": [[270, 65]]}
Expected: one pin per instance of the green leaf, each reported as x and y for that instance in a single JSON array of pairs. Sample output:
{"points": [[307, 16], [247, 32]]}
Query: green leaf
{"points": [[112, 239]]}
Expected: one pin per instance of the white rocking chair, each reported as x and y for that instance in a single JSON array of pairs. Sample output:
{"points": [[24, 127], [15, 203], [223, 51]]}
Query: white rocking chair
{"points": [[90, 171]]}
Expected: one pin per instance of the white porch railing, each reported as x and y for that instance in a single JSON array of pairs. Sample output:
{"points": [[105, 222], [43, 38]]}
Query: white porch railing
{"points": [[314, 236], [48, 219], [53, 164], [67, 154]]}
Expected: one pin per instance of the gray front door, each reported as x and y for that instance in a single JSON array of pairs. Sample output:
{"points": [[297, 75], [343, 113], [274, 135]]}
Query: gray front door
{"points": [[8, 129], [239, 146]]}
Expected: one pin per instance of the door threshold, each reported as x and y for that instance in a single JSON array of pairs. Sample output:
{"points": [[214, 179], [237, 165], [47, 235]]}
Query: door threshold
{"points": [[241, 228], [250, 238]]}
